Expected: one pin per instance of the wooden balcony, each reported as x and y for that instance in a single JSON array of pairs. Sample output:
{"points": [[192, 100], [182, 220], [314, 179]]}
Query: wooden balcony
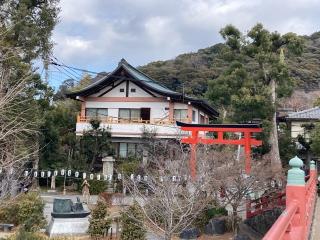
{"points": [[115, 120]]}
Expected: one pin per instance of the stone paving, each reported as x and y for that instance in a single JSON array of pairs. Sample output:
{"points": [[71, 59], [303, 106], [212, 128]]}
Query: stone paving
{"points": [[315, 231]]}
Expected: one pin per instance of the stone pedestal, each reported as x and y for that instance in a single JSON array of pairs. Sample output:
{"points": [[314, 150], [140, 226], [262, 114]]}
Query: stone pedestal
{"points": [[107, 167], [68, 226]]}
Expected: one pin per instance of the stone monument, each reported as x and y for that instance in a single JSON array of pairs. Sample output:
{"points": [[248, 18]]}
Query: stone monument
{"points": [[107, 170], [107, 167], [68, 218]]}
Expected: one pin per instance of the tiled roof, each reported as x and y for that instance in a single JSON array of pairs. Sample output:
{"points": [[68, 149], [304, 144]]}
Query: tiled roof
{"points": [[102, 80], [312, 113], [146, 79]]}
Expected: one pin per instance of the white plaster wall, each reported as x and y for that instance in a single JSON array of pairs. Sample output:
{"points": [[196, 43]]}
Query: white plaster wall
{"points": [[135, 130], [115, 92], [103, 90], [296, 129], [139, 91]]}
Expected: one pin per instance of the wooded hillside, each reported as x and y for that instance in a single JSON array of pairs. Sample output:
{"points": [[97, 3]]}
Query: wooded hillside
{"points": [[208, 63]]}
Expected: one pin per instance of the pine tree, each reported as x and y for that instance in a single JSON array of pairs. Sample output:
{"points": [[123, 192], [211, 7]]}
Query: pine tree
{"points": [[132, 224], [257, 77], [99, 225]]}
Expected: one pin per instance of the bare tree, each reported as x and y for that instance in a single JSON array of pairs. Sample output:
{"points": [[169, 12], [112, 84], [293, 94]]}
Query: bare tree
{"points": [[169, 200], [16, 129], [235, 185]]}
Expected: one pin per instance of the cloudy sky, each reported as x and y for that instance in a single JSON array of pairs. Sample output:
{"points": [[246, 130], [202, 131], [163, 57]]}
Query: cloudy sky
{"points": [[96, 34]]}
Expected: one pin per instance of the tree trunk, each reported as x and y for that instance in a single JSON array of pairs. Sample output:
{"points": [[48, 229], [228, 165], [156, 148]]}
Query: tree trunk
{"points": [[167, 236], [273, 140], [234, 218]]}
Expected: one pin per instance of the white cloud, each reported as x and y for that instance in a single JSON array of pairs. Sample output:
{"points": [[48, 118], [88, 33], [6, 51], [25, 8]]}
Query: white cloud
{"points": [[94, 33]]}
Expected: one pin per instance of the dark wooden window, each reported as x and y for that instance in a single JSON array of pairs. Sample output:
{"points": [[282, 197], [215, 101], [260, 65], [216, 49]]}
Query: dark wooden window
{"points": [[121, 89]]}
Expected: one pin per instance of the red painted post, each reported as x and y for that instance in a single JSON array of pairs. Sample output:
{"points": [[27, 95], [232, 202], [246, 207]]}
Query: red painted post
{"points": [[220, 129], [248, 208], [247, 150], [193, 156]]}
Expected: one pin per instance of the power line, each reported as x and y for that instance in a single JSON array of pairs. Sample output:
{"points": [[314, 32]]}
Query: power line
{"points": [[78, 69], [65, 73], [80, 76], [76, 77]]}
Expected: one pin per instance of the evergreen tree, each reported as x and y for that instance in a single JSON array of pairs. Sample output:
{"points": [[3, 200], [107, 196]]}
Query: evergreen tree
{"points": [[25, 37], [132, 223], [95, 143], [315, 140], [256, 78], [99, 224]]}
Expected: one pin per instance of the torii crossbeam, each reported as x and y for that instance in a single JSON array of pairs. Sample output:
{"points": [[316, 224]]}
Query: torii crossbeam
{"points": [[247, 141]]}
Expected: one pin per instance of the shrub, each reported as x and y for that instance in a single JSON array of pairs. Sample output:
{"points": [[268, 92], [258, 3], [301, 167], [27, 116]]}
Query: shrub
{"points": [[129, 166], [31, 212], [27, 209], [97, 187], [8, 213], [208, 213], [99, 225], [24, 235], [132, 223]]}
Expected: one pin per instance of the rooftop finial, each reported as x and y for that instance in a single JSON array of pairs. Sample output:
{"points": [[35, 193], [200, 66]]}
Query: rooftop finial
{"points": [[122, 61]]}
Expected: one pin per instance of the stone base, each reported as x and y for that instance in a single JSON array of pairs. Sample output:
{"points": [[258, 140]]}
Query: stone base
{"points": [[68, 226], [51, 190]]}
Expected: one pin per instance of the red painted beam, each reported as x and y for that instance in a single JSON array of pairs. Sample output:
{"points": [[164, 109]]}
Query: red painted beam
{"points": [[211, 129], [190, 140]]}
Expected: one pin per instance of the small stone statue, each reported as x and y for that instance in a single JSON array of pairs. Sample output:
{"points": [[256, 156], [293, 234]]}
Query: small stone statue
{"points": [[85, 191]]}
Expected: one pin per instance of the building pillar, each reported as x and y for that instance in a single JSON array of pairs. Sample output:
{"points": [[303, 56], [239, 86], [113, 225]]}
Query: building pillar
{"points": [[171, 111], [83, 110], [189, 113], [107, 165]]}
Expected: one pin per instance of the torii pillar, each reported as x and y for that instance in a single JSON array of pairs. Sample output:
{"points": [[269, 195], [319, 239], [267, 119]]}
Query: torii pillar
{"points": [[247, 141]]}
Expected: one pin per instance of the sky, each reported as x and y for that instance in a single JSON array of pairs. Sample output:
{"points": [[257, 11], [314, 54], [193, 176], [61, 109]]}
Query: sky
{"points": [[96, 34]]}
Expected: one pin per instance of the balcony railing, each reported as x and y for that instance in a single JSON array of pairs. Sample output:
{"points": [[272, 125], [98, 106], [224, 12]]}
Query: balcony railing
{"points": [[116, 120]]}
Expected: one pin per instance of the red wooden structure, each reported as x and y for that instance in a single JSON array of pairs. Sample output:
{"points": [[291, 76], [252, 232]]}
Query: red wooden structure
{"points": [[246, 139], [296, 221], [260, 205]]}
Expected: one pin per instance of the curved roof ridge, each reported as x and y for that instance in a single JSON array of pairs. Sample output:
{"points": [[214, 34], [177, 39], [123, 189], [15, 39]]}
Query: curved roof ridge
{"points": [[307, 113], [150, 78]]}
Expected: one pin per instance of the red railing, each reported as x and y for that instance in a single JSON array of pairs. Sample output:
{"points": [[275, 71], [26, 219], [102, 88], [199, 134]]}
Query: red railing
{"points": [[258, 206], [295, 222]]}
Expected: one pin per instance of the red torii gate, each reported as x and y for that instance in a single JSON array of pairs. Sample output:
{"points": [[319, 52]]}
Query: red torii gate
{"points": [[247, 141]]}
